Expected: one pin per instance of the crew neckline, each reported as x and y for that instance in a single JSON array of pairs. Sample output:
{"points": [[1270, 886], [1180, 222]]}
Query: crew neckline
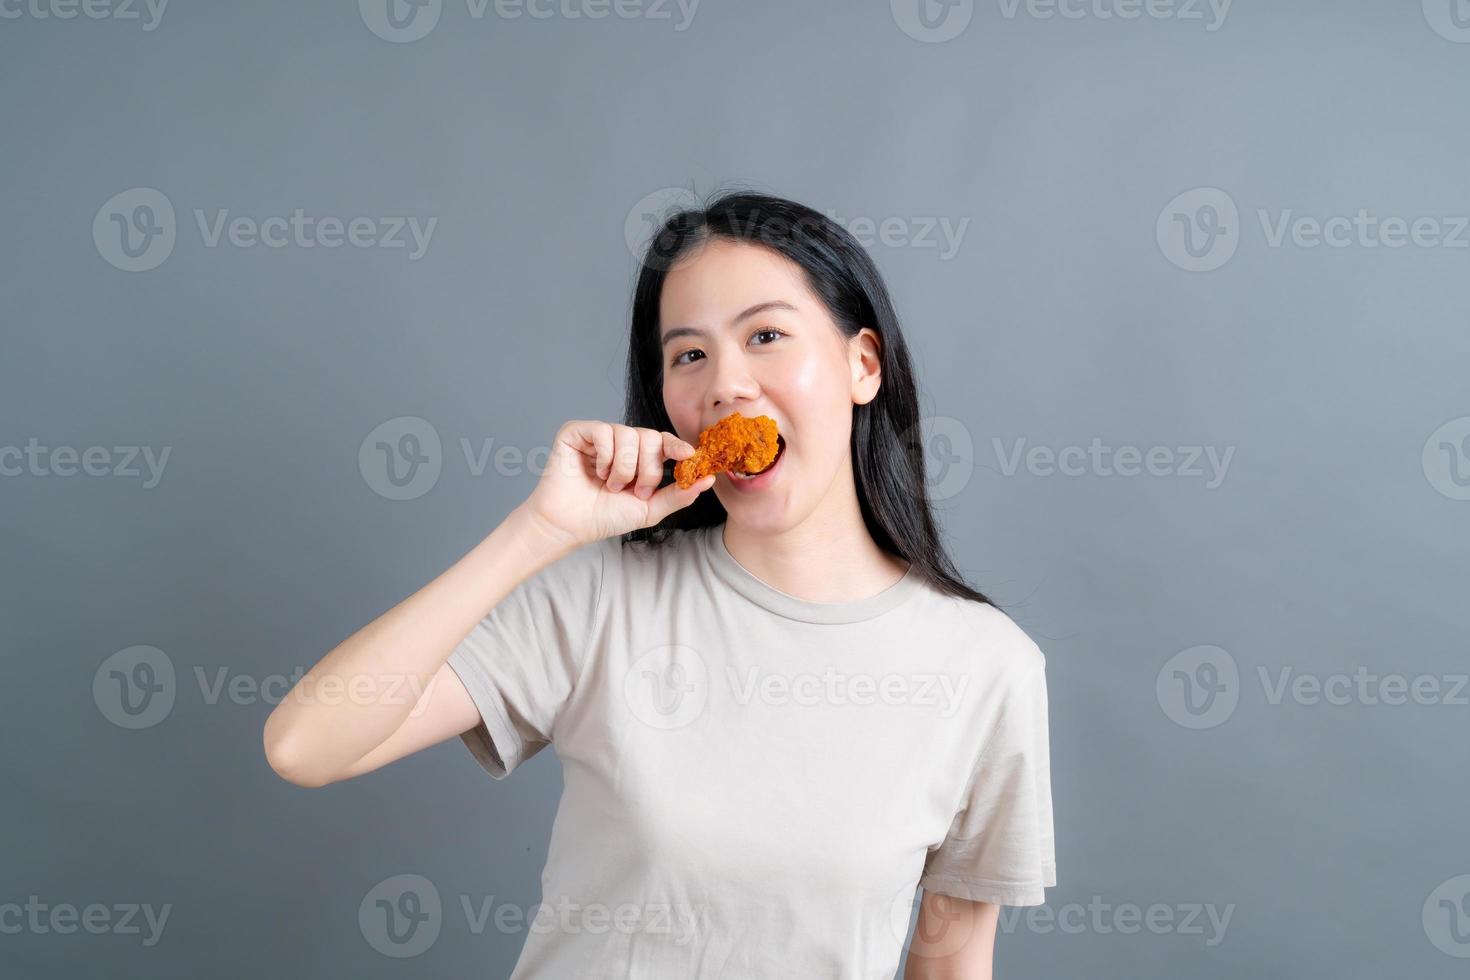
{"points": [[757, 590]]}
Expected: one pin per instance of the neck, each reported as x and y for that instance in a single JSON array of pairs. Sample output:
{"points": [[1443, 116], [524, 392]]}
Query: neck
{"points": [[829, 557]]}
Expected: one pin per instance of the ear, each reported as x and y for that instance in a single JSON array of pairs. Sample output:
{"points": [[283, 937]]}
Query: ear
{"points": [[865, 360]]}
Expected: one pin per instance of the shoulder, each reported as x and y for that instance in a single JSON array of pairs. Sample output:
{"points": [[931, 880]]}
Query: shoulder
{"points": [[994, 637]]}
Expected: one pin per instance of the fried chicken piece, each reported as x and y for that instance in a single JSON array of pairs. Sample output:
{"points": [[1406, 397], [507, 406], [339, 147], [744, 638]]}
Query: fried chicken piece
{"points": [[737, 443]]}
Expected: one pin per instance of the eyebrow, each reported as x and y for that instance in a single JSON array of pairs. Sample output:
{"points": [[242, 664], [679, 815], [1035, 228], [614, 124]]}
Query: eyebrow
{"points": [[774, 304]]}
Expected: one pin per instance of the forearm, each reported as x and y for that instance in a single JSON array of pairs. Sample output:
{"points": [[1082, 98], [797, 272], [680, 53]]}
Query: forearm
{"points": [[954, 939], [362, 691], [918, 968]]}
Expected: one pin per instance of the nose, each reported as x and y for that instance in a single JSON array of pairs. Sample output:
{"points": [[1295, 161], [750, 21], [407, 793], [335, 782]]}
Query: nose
{"points": [[731, 385]]}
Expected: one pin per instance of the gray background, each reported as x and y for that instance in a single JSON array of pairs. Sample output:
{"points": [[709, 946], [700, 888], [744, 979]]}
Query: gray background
{"points": [[1329, 832]]}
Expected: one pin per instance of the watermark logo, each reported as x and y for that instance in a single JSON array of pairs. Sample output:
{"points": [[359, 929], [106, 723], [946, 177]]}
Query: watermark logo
{"points": [[148, 12], [937, 21], [948, 452], [400, 21], [933, 21], [1446, 459], [138, 688], [135, 687], [1199, 687], [1447, 917], [135, 229], [644, 223], [670, 686], [645, 220], [405, 21], [949, 455], [1199, 230], [1450, 19], [402, 458], [1211, 13], [940, 933], [667, 687], [401, 916]]}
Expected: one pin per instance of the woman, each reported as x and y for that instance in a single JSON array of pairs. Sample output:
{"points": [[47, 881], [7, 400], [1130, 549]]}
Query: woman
{"points": [[778, 707]]}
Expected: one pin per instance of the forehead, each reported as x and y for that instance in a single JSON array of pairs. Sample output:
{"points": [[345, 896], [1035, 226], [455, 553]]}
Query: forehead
{"points": [[723, 277]]}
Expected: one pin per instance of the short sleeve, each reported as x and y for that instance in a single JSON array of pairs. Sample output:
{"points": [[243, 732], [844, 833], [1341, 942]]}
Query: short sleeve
{"points": [[521, 662], [999, 847]]}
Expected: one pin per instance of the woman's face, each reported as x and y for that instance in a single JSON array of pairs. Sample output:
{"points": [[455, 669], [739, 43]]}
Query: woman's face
{"points": [[741, 331]]}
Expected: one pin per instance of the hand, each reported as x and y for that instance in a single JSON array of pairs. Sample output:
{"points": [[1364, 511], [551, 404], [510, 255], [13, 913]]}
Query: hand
{"points": [[602, 479]]}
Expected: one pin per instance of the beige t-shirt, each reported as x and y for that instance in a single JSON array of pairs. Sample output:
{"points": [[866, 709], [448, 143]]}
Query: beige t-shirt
{"points": [[756, 783]]}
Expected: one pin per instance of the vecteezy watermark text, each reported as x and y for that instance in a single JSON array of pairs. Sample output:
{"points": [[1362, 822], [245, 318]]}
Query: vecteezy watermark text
{"points": [[406, 21], [939, 232], [942, 234], [403, 458], [90, 9], [402, 916], [670, 685], [937, 21], [137, 687], [1200, 230], [136, 230], [836, 687], [1096, 459], [1101, 917], [63, 918], [39, 460], [1211, 13], [1200, 687]]}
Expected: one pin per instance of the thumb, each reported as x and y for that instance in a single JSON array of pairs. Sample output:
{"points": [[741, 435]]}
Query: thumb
{"points": [[672, 497]]}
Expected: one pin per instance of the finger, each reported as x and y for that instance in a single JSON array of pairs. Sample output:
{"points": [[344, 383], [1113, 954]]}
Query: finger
{"points": [[583, 437], [672, 498], [625, 457], [601, 436], [676, 448], [650, 462]]}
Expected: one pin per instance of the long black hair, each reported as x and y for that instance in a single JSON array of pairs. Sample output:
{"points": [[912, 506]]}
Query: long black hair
{"points": [[887, 445]]}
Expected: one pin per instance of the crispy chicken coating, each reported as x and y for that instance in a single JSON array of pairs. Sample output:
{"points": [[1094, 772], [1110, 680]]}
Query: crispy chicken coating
{"points": [[737, 443]]}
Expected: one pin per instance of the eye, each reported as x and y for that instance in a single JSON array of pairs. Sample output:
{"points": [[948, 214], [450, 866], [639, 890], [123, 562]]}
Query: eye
{"points": [[678, 358]]}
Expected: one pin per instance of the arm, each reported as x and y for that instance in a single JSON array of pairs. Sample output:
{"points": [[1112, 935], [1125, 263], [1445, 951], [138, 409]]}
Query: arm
{"points": [[387, 691], [953, 940]]}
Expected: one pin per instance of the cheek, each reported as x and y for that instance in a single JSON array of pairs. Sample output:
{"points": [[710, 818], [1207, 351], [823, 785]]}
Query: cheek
{"points": [[817, 395], [683, 412]]}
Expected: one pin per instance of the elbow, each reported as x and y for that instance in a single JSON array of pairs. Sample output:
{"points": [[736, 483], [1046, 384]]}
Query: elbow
{"points": [[287, 762]]}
